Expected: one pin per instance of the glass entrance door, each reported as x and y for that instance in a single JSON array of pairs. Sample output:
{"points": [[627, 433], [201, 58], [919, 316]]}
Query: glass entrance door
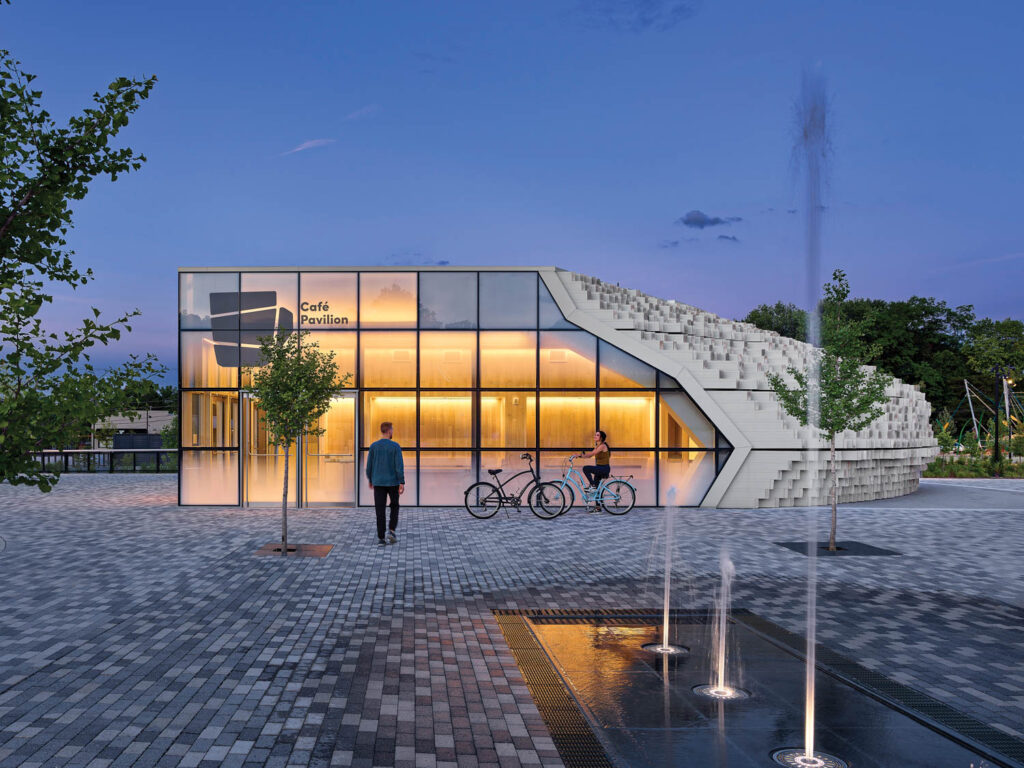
{"points": [[263, 474], [329, 477]]}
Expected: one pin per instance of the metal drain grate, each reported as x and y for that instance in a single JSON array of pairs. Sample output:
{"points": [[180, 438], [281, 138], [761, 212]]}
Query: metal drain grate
{"points": [[576, 743]]}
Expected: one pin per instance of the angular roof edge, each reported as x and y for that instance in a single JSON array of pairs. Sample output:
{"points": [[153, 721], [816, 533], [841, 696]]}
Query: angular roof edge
{"points": [[662, 362], [377, 268]]}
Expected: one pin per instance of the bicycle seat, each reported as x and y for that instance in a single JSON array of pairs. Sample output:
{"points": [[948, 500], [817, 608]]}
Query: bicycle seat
{"points": [[493, 471]]}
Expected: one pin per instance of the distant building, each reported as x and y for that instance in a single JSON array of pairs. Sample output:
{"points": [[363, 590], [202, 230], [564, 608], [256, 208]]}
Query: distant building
{"points": [[140, 431], [475, 366]]}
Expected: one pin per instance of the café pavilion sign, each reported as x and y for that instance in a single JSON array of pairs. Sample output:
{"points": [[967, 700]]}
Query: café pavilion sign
{"points": [[319, 314]]}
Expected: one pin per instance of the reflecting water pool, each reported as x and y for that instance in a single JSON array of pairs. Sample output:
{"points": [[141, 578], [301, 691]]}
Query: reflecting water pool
{"points": [[644, 710]]}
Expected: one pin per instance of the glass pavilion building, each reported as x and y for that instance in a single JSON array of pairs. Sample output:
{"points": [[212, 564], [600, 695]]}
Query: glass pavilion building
{"points": [[473, 366]]}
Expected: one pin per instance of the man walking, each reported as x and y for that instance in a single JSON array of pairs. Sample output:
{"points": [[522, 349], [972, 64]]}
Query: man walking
{"points": [[386, 473]]}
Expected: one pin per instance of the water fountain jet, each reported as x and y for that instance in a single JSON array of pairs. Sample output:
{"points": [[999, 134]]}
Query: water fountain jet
{"points": [[665, 647], [797, 758], [718, 688], [813, 147]]}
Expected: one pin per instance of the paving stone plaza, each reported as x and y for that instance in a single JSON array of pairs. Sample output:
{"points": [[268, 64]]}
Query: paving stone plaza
{"points": [[139, 633]]}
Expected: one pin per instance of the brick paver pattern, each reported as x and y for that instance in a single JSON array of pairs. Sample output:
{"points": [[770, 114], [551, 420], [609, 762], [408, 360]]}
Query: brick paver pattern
{"points": [[138, 633]]}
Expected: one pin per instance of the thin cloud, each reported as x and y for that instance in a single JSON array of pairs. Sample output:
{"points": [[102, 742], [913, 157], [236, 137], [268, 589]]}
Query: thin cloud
{"points": [[979, 262], [668, 244], [431, 63], [311, 144], [730, 238], [699, 220], [360, 113], [639, 15], [409, 258]]}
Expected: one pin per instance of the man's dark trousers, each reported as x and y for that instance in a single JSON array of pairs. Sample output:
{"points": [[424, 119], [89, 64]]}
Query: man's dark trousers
{"points": [[380, 496]]}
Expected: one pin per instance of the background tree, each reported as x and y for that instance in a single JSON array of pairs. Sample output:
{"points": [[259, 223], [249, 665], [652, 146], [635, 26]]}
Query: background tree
{"points": [[786, 319], [169, 434], [147, 394], [848, 396], [292, 390], [920, 341], [993, 343], [50, 393]]}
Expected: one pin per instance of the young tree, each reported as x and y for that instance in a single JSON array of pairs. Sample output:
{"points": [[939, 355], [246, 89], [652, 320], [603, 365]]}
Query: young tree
{"points": [[847, 396], [49, 391], [292, 389]]}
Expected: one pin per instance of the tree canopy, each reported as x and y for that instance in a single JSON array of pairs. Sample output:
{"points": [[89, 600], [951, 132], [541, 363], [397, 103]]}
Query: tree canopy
{"points": [[293, 387], [845, 394], [49, 390], [786, 319], [920, 340], [995, 344]]}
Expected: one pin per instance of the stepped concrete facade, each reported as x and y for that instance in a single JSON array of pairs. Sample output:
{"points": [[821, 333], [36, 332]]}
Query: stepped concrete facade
{"points": [[723, 365]]}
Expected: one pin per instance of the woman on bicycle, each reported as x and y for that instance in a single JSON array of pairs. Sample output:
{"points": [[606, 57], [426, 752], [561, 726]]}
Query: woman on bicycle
{"points": [[602, 453]]}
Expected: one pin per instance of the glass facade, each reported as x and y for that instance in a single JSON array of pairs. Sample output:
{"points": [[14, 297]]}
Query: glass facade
{"points": [[472, 368]]}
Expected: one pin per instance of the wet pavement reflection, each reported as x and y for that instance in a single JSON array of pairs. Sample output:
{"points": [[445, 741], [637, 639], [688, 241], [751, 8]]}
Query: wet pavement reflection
{"points": [[645, 712]]}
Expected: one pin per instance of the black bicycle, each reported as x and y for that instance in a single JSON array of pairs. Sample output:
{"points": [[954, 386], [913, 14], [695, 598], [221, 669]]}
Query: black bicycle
{"points": [[545, 499]]}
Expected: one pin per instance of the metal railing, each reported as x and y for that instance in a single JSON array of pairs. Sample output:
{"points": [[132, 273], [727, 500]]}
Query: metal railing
{"points": [[110, 460]]}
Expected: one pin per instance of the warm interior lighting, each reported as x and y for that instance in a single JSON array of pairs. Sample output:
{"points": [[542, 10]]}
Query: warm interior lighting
{"points": [[388, 300], [446, 420]]}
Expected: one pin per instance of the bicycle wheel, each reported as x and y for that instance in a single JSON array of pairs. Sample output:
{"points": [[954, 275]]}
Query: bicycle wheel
{"points": [[570, 497], [482, 500], [547, 500], [618, 497]]}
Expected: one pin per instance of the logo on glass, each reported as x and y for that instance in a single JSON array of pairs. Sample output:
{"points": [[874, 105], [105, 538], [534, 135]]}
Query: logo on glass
{"points": [[255, 310]]}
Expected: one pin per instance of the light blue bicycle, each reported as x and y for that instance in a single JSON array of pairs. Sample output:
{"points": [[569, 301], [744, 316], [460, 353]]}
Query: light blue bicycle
{"points": [[615, 494]]}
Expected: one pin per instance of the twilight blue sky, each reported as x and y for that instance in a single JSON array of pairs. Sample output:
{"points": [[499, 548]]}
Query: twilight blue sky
{"points": [[559, 132]]}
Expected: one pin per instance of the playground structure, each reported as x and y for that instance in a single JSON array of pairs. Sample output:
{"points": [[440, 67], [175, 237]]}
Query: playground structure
{"points": [[978, 404]]}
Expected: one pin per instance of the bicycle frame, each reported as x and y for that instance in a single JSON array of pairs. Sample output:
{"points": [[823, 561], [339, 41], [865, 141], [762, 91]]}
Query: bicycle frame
{"points": [[515, 500], [574, 478]]}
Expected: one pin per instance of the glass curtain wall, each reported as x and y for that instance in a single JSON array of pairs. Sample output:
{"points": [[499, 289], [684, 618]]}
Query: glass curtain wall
{"points": [[473, 369]]}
